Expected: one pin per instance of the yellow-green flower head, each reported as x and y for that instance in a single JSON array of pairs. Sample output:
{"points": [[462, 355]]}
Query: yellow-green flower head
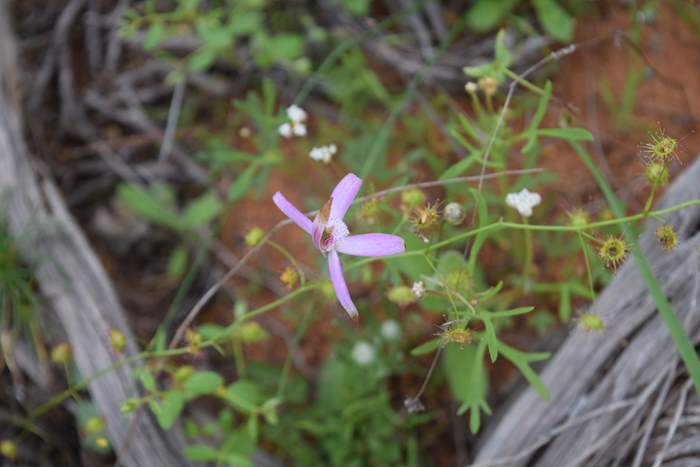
{"points": [[656, 173], [667, 237], [8, 449], [579, 218], [661, 147], [459, 336], [412, 198], [613, 251], [401, 295], [254, 236], [591, 322], [425, 218], [61, 354], [289, 278], [117, 339]]}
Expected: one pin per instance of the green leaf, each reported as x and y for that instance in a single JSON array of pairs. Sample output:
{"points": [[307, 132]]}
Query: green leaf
{"points": [[427, 347], [521, 360], [514, 312], [242, 184], [459, 167], [201, 59], [570, 134], [466, 376], [202, 383], [556, 21], [244, 395], [149, 383], [202, 210], [481, 237], [487, 14], [169, 409], [149, 206], [177, 262], [201, 453], [542, 105], [155, 34], [565, 304]]}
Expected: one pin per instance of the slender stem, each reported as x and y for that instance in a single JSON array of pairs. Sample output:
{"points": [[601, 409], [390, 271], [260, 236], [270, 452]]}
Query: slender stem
{"points": [[529, 253], [584, 247], [290, 258]]}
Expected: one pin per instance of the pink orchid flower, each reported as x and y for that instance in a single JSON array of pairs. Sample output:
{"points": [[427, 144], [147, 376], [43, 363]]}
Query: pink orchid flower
{"points": [[331, 236]]}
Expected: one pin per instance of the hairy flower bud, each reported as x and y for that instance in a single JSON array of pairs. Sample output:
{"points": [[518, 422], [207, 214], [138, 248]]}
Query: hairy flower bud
{"points": [[118, 340], [667, 237], [578, 218], [488, 85], [8, 449], [61, 354], [412, 198], [401, 295], [656, 173], [661, 147], [453, 213], [591, 322], [254, 236], [613, 251], [289, 278]]}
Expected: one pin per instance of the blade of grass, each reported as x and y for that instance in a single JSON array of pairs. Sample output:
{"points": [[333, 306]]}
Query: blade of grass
{"points": [[685, 347]]}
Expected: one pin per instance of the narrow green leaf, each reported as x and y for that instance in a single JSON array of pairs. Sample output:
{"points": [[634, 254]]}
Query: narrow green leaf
{"points": [[427, 347], [202, 210], [542, 106], [170, 408], [565, 304], [202, 383], [239, 187], [555, 20], [570, 134]]}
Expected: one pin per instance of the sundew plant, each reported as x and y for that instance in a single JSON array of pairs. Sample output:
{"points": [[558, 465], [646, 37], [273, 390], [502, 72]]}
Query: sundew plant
{"points": [[381, 263]]}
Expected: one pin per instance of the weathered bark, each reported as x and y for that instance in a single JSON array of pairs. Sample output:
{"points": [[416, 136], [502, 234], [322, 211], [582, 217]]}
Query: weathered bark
{"points": [[72, 280], [612, 390]]}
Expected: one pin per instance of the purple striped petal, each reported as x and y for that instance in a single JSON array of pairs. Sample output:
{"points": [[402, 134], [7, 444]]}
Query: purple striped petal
{"points": [[343, 195], [335, 270], [371, 244], [292, 212]]}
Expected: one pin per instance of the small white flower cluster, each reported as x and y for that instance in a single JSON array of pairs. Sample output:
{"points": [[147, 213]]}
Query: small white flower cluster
{"points": [[363, 353], [296, 125], [324, 153], [418, 289], [523, 201]]}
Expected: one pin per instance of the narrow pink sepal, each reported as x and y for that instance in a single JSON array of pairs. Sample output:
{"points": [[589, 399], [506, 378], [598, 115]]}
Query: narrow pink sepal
{"points": [[292, 212], [371, 244], [335, 271], [344, 194]]}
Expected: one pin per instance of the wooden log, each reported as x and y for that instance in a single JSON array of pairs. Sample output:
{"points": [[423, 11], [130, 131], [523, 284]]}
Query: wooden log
{"points": [[605, 386], [72, 280]]}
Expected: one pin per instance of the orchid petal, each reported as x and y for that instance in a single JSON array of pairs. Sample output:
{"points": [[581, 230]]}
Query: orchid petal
{"points": [[372, 244], [292, 212], [335, 270], [343, 195]]}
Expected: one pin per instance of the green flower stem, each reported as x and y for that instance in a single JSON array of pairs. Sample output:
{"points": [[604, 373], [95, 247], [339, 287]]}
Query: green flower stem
{"points": [[589, 274], [501, 225], [523, 82], [529, 253], [290, 258]]}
